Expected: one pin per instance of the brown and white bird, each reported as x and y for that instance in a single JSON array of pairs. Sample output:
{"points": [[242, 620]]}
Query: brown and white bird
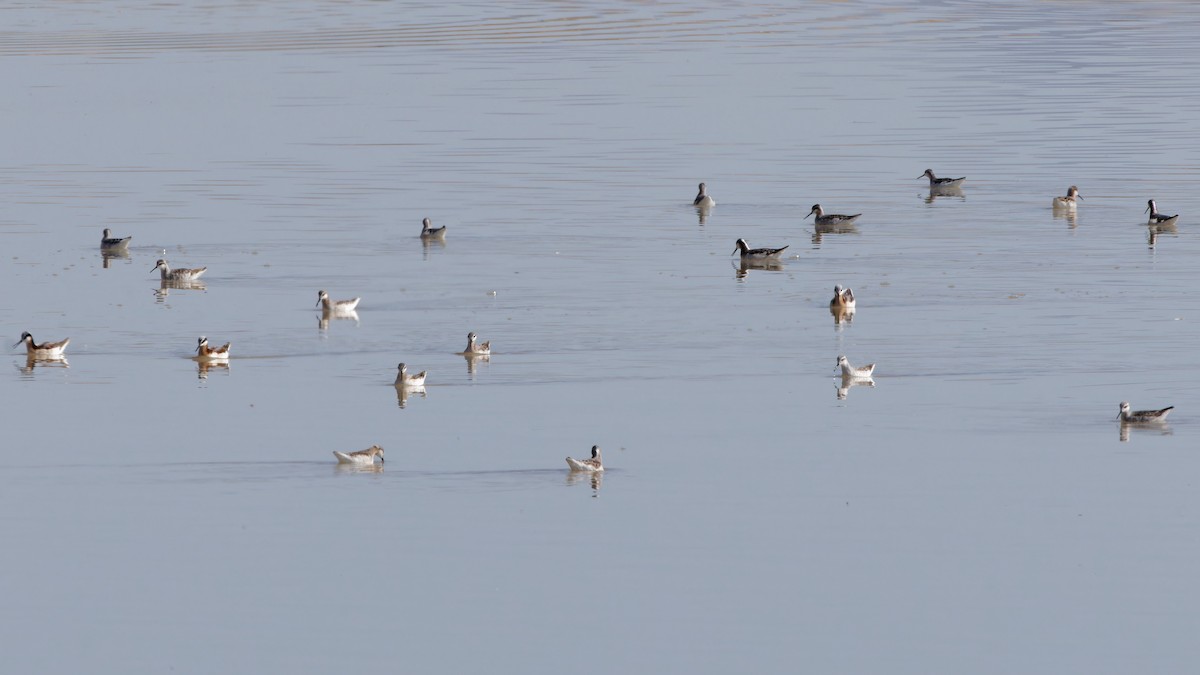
{"points": [[206, 353], [181, 274], [360, 457], [46, 350], [476, 349], [594, 464], [843, 298], [403, 379]]}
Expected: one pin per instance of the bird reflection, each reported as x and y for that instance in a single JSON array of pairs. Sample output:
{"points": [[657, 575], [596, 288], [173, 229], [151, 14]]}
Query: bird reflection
{"points": [[327, 315], [1159, 429], [165, 287], [841, 315], [344, 468], [934, 193], [742, 268], [1069, 216], [593, 478], [1155, 230], [108, 255], [31, 363], [837, 228], [849, 381], [403, 392], [473, 358], [205, 365], [428, 243], [702, 213]]}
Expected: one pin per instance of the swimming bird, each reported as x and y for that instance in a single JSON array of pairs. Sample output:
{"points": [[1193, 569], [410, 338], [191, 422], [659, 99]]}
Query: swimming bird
{"points": [[831, 218], [181, 274], [850, 371], [757, 253], [594, 464], [1142, 416], [336, 306], [1068, 202], [360, 456], [936, 183], [111, 243], [206, 353], [703, 199], [430, 232], [403, 379], [842, 298], [1157, 218], [481, 349], [46, 350]]}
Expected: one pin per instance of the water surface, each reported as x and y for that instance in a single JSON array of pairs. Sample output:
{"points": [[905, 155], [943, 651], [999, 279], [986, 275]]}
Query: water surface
{"points": [[977, 510]]}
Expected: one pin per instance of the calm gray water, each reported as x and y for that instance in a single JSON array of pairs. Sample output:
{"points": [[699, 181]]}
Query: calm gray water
{"points": [[978, 510]]}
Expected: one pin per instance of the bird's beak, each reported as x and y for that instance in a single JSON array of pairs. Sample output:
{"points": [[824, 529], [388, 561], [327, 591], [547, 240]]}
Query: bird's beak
{"points": [[318, 302], [1147, 209], [806, 217]]}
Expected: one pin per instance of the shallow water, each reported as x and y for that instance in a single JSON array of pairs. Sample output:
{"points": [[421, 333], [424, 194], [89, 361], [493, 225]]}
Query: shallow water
{"points": [[979, 509]]}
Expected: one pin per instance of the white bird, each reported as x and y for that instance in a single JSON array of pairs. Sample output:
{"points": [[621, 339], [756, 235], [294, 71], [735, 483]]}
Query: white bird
{"points": [[181, 274], [594, 464], [403, 379], [360, 457], [1142, 416], [831, 218], [851, 371], [1157, 218], [336, 306], [757, 253], [703, 199], [1067, 203], [937, 183], [428, 231], [46, 350], [111, 243]]}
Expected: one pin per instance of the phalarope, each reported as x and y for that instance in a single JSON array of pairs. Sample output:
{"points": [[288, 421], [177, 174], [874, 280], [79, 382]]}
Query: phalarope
{"points": [[843, 298], [594, 464], [181, 274], [1068, 202], [403, 379], [481, 349], [430, 232], [1157, 218], [206, 353], [46, 350], [703, 199], [360, 456], [831, 218], [336, 306], [111, 243], [1142, 416], [851, 371], [938, 183], [757, 253]]}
